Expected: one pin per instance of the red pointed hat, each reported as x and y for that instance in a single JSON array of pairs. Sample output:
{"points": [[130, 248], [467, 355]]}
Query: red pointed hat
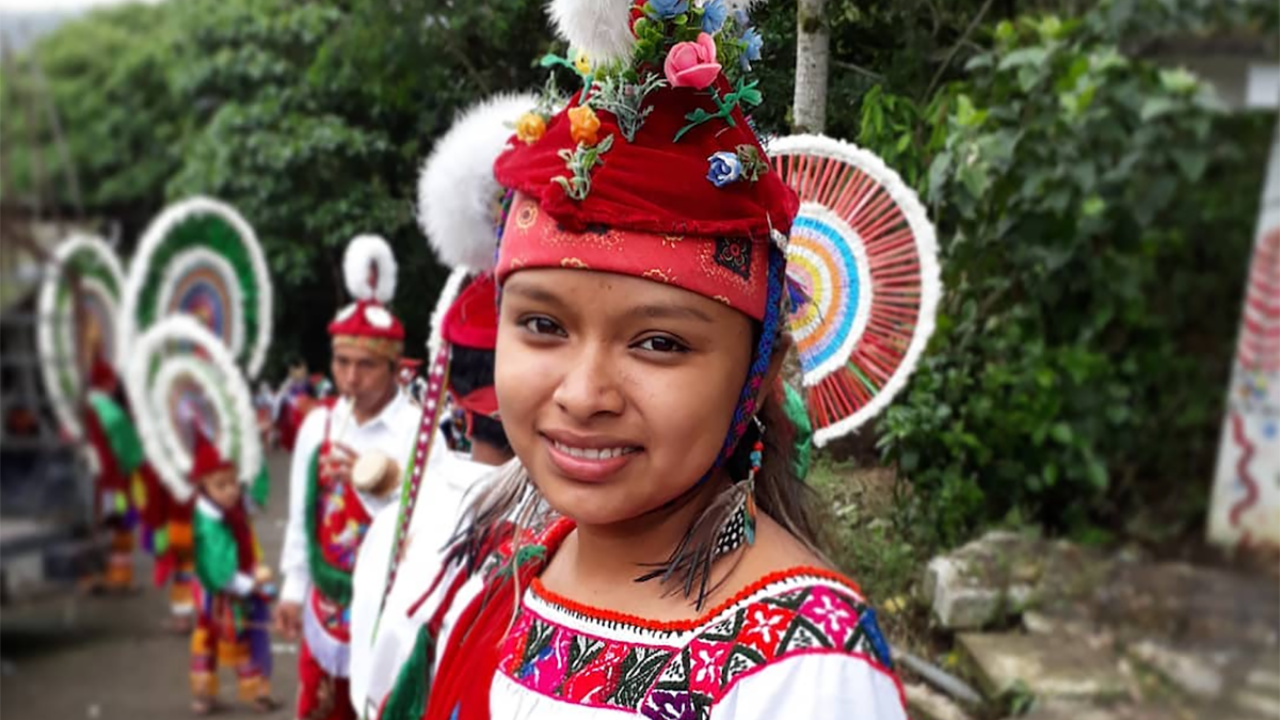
{"points": [[205, 458], [101, 375], [652, 170], [369, 269], [472, 319]]}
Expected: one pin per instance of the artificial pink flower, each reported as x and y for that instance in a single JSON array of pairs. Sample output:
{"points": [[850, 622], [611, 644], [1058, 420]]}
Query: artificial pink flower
{"points": [[692, 64]]}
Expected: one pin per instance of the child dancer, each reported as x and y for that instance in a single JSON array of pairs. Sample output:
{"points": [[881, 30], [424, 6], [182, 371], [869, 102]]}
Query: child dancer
{"points": [[234, 590]]}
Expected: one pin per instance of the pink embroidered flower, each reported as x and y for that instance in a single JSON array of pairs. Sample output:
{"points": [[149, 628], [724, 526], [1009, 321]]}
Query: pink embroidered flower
{"points": [[692, 64]]}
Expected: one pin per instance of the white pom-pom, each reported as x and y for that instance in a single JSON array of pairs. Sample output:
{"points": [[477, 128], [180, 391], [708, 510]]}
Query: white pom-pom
{"points": [[599, 28], [378, 317], [369, 269], [457, 193]]}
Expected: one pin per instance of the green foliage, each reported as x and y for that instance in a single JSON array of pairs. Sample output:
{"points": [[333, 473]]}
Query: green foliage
{"points": [[310, 118], [872, 536], [1080, 200], [114, 104]]}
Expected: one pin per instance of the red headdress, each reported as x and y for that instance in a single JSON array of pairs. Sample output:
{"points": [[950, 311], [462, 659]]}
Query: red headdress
{"points": [[369, 269], [652, 170], [472, 322], [205, 458]]}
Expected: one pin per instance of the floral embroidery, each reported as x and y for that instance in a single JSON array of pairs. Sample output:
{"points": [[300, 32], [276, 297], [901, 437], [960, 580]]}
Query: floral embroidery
{"points": [[734, 255], [659, 276], [342, 525], [596, 237], [526, 215], [684, 670]]}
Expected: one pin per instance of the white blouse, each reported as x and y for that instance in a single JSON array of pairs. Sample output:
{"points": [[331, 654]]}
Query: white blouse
{"points": [[797, 644]]}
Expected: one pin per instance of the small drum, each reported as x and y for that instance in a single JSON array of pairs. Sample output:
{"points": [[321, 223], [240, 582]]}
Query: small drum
{"points": [[375, 473]]}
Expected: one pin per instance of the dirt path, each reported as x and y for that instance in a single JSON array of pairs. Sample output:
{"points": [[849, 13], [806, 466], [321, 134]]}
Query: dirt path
{"points": [[112, 658]]}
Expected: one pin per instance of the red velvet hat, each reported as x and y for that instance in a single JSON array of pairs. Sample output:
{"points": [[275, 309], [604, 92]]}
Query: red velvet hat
{"points": [[369, 269], [472, 319], [652, 170]]}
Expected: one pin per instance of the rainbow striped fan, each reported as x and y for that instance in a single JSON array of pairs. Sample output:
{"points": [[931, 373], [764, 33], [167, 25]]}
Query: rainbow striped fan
{"points": [[201, 258], [181, 377], [863, 253], [77, 310]]}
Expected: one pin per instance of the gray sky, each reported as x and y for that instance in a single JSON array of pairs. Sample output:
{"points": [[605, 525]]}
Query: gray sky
{"points": [[59, 5]]}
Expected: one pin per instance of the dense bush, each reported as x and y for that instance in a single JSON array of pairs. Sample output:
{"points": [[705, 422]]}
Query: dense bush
{"points": [[1096, 213]]}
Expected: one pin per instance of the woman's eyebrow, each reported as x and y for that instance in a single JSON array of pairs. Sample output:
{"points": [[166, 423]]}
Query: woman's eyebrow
{"points": [[651, 311], [660, 311], [532, 292]]}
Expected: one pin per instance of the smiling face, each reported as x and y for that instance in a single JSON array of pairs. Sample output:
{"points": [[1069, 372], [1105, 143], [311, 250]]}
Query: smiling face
{"points": [[615, 392]]}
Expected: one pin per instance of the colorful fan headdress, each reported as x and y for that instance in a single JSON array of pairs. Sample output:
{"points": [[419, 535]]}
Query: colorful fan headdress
{"points": [[184, 383], [369, 270], [76, 333], [864, 256], [200, 257]]}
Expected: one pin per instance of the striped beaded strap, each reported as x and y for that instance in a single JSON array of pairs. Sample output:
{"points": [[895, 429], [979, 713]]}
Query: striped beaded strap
{"points": [[432, 408]]}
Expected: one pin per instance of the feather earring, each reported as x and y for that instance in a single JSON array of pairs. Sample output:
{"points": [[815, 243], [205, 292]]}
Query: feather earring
{"points": [[727, 523]]}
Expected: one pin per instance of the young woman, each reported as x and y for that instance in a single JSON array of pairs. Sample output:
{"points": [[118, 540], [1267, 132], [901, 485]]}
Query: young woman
{"points": [[640, 338]]}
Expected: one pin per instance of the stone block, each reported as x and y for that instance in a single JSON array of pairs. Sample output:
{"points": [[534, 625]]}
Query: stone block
{"points": [[1048, 667]]}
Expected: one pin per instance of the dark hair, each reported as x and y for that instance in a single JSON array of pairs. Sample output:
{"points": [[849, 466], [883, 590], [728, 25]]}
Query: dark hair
{"points": [[470, 370]]}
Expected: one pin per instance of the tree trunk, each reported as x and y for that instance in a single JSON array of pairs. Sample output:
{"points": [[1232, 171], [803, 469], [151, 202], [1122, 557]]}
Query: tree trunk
{"points": [[812, 59]]}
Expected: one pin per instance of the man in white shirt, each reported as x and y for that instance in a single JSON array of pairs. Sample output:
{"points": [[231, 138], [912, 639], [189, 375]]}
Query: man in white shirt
{"points": [[386, 621], [328, 516]]}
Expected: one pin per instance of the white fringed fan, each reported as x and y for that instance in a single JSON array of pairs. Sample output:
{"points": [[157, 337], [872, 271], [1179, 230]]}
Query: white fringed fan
{"points": [[181, 378], [201, 257], [73, 326], [864, 253]]}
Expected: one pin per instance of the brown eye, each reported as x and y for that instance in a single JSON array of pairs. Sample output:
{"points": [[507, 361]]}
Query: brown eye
{"points": [[662, 344], [540, 325]]}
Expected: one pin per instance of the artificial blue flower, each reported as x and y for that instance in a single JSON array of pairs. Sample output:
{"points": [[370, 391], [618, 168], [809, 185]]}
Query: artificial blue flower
{"points": [[725, 168], [667, 9], [752, 43], [713, 16]]}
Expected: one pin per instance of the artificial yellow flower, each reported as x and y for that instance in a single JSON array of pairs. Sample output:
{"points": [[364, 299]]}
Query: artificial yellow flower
{"points": [[583, 63], [530, 127], [584, 126]]}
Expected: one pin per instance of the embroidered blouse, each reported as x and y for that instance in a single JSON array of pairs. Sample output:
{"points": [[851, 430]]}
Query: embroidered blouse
{"points": [[800, 643]]}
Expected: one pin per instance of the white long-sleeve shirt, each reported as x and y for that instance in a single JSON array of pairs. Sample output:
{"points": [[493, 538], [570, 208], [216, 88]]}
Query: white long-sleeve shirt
{"points": [[391, 432], [376, 658]]}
